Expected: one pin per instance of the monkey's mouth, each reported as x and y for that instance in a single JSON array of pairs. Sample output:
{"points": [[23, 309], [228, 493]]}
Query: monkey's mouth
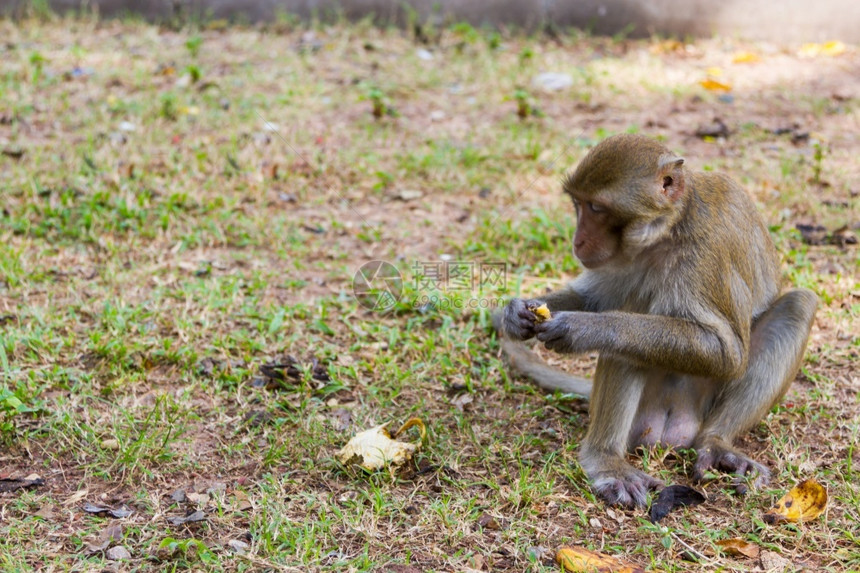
{"points": [[592, 262]]}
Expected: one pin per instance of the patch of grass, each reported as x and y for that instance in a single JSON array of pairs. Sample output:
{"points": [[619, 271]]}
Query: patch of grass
{"points": [[189, 204]]}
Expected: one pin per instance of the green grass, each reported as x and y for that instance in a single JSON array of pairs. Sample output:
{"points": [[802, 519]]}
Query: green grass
{"points": [[193, 202]]}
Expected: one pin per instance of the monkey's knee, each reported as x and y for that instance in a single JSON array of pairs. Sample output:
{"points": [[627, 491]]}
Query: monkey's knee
{"points": [[797, 305]]}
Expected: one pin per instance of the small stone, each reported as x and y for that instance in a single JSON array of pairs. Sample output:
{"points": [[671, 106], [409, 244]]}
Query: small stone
{"points": [[117, 553], [771, 561], [425, 55], [410, 194], [238, 547], [595, 523], [552, 81]]}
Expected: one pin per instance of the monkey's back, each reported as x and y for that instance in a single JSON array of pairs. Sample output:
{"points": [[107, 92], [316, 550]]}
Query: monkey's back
{"points": [[733, 244]]}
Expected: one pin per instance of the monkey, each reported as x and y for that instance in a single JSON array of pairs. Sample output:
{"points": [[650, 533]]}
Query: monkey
{"points": [[680, 297]]}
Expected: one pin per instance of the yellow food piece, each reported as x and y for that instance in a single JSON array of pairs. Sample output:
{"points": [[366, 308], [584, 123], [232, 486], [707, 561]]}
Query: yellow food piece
{"points": [[804, 502], [374, 448], [541, 312], [579, 559]]}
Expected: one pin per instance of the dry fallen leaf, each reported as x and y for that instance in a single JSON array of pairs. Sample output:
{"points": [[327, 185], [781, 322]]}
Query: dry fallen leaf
{"points": [[745, 58], [804, 502], [579, 559], [738, 547], [10, 484], [713, 85], [666, 46], [374, 448], [832, 48]]}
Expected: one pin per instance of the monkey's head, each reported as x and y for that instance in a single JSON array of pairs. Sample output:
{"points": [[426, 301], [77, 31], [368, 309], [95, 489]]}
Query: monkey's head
{"points": [[628, 192]]}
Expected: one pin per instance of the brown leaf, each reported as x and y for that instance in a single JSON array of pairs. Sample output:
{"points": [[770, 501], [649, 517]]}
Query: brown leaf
{"points": [[739, 547], [241, 502], [46, 513], [9, 484], [843, 236], [289, 369], [487, 521], [15, 153], [99, 509], [812, 234], [108, 535], [716, 128], [196, 516], [126, 170], [270, 170], [462, 401], [341, 419]]}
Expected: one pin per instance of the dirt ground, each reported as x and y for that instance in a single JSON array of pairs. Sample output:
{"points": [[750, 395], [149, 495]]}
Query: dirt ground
{"points": [[183, 206]]}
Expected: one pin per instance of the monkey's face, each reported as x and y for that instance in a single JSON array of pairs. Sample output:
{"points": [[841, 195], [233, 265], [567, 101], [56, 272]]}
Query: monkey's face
{"points": [[598, 234]]}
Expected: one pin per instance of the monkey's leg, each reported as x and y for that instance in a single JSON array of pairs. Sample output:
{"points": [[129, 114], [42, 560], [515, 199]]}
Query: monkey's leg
{"points": [[615, 397], [777, 343]]}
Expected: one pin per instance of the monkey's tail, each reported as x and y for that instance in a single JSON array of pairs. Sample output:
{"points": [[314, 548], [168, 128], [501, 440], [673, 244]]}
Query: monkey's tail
{"points": [[524, 360]]}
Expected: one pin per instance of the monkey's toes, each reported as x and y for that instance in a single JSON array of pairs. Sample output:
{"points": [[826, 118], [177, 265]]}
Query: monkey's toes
{"points": [[629, 490], [728, 460]]}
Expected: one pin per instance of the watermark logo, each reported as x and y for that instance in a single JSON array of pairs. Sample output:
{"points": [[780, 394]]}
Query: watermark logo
{"points": [[445, 284], [377, 285]]}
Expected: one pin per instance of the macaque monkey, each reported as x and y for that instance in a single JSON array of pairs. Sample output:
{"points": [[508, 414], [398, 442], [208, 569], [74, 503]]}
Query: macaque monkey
{"points": [[680, 297]]}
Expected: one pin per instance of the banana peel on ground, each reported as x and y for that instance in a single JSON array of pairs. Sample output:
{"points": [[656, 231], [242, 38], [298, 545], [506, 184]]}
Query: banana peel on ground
{"points": [[376, 448], [804, 502]]}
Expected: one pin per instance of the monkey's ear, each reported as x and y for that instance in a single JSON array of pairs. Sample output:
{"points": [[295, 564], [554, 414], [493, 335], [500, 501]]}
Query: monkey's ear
{"points": [[672, 176]]}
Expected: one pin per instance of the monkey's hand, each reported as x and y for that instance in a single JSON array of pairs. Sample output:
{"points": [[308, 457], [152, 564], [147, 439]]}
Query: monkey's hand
{"points": [[517, 321], [567, 332], [714, 453]]}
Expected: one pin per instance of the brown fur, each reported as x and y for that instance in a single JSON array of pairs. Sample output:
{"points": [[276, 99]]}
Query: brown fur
{"points": [[680, 297]]}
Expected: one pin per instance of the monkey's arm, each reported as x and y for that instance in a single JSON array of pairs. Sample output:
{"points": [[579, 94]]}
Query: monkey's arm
{"points": [[568, 298], [713, 350]]}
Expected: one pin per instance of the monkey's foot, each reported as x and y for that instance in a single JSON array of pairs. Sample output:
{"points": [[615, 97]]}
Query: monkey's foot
{"points": [[623, 484], [718, 455]]}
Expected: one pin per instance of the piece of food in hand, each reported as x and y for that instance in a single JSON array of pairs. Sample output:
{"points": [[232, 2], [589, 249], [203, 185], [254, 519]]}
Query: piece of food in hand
{"points": [[541, 312]]}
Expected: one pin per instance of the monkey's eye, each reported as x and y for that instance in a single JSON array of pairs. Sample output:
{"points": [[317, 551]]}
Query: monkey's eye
{"points": [[595, 208]]}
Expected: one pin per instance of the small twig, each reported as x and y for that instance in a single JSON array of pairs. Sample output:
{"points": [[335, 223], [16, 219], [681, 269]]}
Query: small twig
{"points": [[697, 554]]}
